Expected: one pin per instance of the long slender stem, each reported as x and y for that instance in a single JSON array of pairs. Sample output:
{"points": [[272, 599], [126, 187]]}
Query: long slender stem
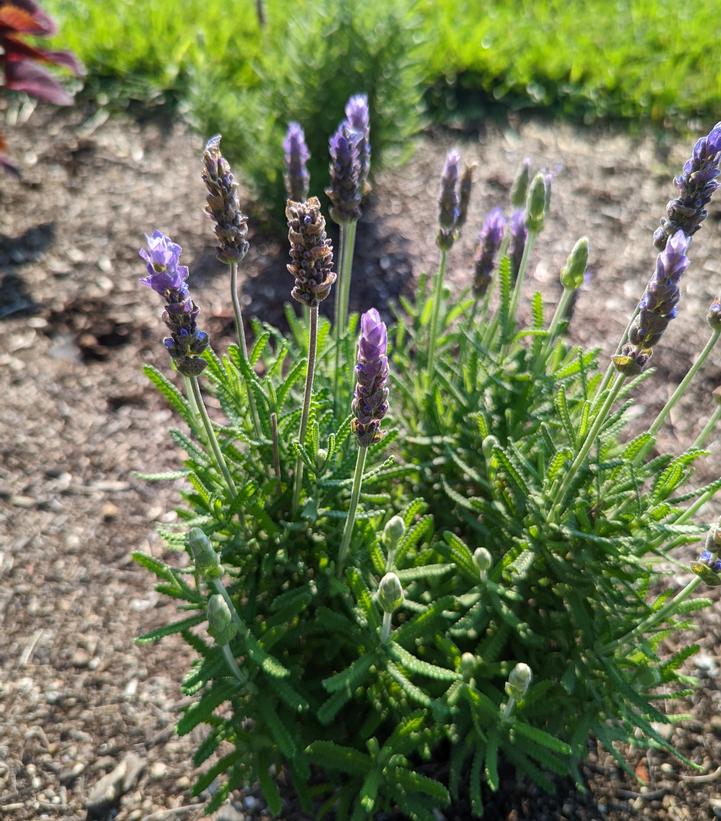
{"points": [[659, 615], [210, 434], [702, 438], [355, 495], [386, 628], [310, 372], [276, 448], [518, 288], [339, 319], [437, 296], [600, 418], [558, 317], [610, 370], [348, 270], [685, 382], [240, 334]]}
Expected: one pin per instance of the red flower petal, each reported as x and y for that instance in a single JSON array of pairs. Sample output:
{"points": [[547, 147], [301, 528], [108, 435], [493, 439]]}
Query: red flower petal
{"points": [[25, 16], [33, 80]]}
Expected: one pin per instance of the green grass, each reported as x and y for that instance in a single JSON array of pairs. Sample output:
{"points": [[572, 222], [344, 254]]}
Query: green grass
{"points": [[642, 59]]}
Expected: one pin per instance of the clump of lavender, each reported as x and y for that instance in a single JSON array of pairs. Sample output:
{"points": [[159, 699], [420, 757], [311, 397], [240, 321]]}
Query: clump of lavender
{"points": [[311, 252], [297, 177], [448, 201], [696, 185], [168, 278], [345, 175], [489, 241], [358, 121], [370, 401], [658, 306], [518, 237], [231, 225]]}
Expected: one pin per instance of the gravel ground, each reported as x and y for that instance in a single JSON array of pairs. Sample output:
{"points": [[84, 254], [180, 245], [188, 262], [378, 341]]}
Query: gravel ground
{"points": [[77, 699]]}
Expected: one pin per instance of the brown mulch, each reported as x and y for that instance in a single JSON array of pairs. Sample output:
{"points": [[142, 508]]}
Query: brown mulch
{"points": [[77, 417]]}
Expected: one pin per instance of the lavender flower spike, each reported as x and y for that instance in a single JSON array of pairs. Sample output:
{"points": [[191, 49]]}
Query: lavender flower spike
{"points": [[448, 202], [358, 120], [231, 225], [370, 401], [297, 178], [311, 252], [489, 241], [696, 185], [167, 278], [658, 306], [517, 244], [345, 176]]}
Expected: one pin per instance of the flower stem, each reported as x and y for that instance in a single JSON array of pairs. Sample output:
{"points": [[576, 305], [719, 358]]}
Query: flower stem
{"points": [[558, 496], [210, 434], [516, 296], [276, 448], [240, 334], [350, 518], [658, 616], [610, 370], [437, 296], [310, 372], [386, 628], [348, 271], [681, 389], [708, 428], [558, 317]]}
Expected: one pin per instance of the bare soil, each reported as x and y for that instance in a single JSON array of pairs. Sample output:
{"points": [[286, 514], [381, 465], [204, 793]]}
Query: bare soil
{"points": [[77, 418]]}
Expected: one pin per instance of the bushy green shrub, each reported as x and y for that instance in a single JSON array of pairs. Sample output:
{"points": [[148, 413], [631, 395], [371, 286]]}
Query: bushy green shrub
{"points": [[390, 618], [334, 49]]}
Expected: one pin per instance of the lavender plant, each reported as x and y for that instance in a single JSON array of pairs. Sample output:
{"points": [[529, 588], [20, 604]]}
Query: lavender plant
{"points": [[383, 617]]}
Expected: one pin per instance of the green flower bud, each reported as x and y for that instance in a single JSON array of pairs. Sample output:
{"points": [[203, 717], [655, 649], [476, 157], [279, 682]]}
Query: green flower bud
{"points": [[536, 204], [220, 620], [321, 457], [714, 314], [468, 665], [487, 446], [519, 680], [393, 531], [207, 561], [483, 560], [575, 267], [390, 593], [519, 189]]}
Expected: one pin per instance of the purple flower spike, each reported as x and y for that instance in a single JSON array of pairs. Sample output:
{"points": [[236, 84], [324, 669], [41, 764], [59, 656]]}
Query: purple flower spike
{"points": [[370, 400], [658, 306], [297, 178], [696, 185], [358, 120], [448, 201], [518, 238], [345, 175], [167, 277], [489, 241], [223, 208], [161, 262]]}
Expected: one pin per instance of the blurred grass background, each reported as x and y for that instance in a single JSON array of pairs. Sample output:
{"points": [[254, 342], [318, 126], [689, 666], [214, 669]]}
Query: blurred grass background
{"points": [[649, 59], [245, 68]]}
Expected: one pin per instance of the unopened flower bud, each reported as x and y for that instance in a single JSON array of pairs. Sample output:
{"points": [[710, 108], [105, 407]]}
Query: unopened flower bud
{"points": [[519, 680], [390, 593], [575, 267], [519, 189], [483, 560], [393, 531], [713, 317], [207, 561], [220, 620], [468, 665], [321, 457], [536, 204], [487, 446]]}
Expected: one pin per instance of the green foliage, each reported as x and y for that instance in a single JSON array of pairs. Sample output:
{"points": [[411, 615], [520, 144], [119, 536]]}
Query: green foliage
{"points": [[651, 59], [531, 538], [335, 49]]}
